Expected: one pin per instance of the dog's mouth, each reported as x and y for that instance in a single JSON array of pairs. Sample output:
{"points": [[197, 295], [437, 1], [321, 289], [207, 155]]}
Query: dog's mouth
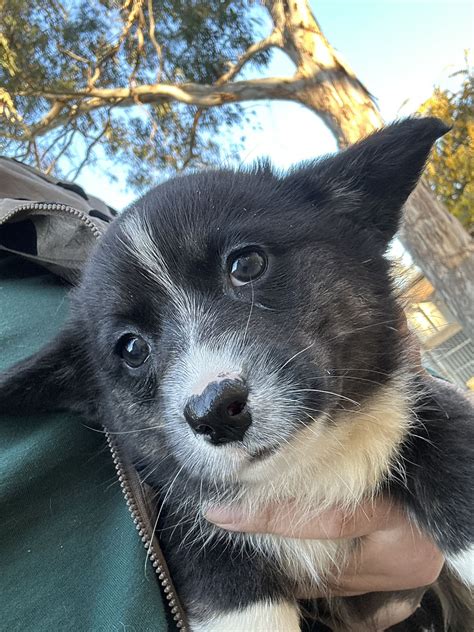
{"points": [[262, 453]]}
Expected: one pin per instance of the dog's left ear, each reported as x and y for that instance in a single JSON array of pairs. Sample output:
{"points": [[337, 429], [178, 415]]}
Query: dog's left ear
{"points": [[370, 181], [57, 377]]}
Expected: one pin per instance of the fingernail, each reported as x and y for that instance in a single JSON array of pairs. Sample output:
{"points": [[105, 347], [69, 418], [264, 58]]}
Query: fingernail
{"points": [[227, 517]]}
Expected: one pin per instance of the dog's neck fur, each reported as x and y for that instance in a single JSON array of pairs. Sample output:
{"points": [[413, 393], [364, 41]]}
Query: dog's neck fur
{"points": [[351, 464], [340, 462]]}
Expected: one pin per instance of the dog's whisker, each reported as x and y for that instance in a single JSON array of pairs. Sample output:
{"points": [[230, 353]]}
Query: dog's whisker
{"points": [[123, 432], [318, 390], [252, 301], [370, 326], [293, 357]]}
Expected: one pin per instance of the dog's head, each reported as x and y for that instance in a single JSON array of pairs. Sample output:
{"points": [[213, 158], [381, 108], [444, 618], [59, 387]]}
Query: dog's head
{"points": [[228, 311]]}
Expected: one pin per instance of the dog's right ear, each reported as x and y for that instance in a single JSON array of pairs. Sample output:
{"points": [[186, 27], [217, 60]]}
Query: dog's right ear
{"points": [[369, 182], [57, 377]]}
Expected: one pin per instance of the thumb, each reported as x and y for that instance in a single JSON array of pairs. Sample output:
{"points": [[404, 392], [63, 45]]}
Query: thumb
{"points": [[289, 520]]}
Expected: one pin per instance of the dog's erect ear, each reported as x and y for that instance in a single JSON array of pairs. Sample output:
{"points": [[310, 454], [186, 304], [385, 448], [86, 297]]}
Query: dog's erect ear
{"points": [[371, 180], [57, 377]]}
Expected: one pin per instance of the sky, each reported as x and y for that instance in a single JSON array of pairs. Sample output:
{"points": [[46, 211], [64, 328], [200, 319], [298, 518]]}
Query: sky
{"points": [[399, 49]]}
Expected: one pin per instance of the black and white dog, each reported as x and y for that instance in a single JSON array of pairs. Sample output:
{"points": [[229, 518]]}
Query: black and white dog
{"points": [[246, 320]]}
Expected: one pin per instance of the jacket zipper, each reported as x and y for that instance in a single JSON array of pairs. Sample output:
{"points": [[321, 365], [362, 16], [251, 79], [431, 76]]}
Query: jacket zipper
{"points": [[145, 531], [131, 496], [52, 206]]}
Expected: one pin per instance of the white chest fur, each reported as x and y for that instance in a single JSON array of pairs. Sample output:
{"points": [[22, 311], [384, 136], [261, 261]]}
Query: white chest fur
{"points": [[339, 462]]}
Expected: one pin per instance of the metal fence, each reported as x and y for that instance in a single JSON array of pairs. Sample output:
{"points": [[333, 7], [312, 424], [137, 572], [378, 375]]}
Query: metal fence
{"points": [[454, 359]]}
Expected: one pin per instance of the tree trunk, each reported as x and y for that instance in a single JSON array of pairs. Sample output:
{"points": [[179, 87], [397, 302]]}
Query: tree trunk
{"points": [[338, 97], [444, 250], [436, 240]]}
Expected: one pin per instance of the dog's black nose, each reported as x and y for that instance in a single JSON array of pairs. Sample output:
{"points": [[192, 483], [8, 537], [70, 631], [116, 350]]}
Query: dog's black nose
{"points": [[220, 412]]}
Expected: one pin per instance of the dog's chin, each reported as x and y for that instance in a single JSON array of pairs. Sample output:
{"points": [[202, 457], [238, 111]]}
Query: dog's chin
{"points": [[261, 454], [224, 464]]}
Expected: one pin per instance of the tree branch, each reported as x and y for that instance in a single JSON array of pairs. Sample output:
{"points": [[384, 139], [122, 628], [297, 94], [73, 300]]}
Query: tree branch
{"points": [[65, 106], [87, 156], [154, 41], [201, 95], [62, 151], [192, 139], [56, 141], [273, 40], [135, 7]]}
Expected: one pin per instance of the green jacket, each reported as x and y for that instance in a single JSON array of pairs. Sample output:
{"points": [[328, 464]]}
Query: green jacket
{"points": [[71, 557]]}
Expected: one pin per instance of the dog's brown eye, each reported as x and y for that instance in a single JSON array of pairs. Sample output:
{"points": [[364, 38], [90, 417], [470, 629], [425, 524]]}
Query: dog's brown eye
{"points": [[247, 266], [134, 350]]}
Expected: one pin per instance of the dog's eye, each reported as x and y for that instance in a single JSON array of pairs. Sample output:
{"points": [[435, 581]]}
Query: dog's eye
{"points": [[133, 349], [247, 266]]}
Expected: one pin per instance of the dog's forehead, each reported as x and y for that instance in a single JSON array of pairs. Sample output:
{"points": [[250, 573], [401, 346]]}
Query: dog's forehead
{"points": [[182, 233], [191, 218], [182, 229]]}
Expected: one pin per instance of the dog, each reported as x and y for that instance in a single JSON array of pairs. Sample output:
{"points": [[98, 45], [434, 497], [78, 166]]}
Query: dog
{"points": [[239, 330]]}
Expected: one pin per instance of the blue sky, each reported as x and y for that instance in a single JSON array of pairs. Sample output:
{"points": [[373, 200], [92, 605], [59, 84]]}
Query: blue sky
{"points": [[398, 48]]}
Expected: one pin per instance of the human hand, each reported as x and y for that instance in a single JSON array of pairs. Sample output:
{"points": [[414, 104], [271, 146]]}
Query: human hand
{"points": [[394, 555]]}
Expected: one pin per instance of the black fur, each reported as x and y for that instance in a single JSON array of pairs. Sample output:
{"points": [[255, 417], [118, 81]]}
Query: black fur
{"points": [[439, 463], [324, 228]]}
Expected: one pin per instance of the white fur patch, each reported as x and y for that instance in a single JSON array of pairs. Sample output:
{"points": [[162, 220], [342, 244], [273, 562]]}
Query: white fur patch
{"points": [[308, 562], [144, 249], [259, 617], [141, 245], [212, 377], [267, 401], [463, 565], [339, 462], [199, 364], [325, 466]]}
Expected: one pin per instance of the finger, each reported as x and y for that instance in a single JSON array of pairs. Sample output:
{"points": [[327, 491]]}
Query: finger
{"points": [[398, 559], [351, 585], [291, 521]]}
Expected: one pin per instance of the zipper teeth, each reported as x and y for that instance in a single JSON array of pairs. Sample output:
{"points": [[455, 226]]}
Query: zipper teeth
{"points": [[52, 206], [147, 543]]}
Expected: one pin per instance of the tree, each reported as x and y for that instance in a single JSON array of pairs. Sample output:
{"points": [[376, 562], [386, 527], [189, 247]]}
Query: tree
{"points": [[53, 60], [322, 81], [435, 239], [450, 171]]}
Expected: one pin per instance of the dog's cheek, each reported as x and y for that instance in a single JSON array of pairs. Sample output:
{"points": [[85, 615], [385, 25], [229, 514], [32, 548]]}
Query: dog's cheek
{"points": [[138, 426]]}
